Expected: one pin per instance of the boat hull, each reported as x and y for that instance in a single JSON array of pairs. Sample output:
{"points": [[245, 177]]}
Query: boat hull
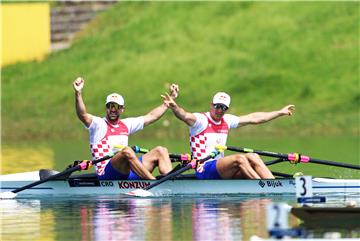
{"points": [[184, 186]]}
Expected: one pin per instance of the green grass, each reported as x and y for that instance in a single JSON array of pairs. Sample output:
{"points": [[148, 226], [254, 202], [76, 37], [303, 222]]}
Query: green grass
{"points": [[265, 55]]}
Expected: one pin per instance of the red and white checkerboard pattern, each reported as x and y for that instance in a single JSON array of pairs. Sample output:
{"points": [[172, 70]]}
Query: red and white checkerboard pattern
{"points": [[100, 150], [197, 145]]}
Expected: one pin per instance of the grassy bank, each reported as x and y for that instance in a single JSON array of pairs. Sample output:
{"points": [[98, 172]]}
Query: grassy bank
{"points": [[265, 55]]}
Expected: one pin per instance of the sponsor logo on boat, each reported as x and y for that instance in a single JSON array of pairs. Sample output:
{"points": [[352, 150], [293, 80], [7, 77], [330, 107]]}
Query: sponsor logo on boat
{"points": [[131, 185], [84, 183], [270, 183], [107, 183]]}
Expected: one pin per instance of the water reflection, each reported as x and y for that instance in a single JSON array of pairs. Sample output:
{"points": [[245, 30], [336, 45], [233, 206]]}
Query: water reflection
{"points": [[24, 220], [212, 219], [229, 219], [103, 218], [119, 218]]}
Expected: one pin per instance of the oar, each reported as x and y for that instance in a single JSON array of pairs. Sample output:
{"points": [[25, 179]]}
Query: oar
{"points": [[191, 165], [280, 174], [292, 157], [274, 161], [82, 166]]}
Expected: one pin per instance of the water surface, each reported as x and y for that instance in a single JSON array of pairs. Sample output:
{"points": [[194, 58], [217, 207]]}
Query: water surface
{"points": [[119, 218]]}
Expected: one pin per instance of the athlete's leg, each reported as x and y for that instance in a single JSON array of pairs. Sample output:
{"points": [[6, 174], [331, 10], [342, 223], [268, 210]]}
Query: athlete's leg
{"points": [[236, 166], [126, 160], [157, 157], [258, 165]]}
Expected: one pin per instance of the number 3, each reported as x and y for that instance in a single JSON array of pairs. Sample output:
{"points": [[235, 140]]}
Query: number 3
{"points": [[303, 186]]}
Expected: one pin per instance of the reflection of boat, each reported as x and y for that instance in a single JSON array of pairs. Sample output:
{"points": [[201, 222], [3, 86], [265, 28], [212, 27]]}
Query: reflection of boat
{"points": [[88, 184], [337, 217]]}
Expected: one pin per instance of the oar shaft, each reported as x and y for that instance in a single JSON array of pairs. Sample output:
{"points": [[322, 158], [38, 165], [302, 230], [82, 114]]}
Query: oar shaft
{"points": [[262, 153], [337, 164], [274, 161], [292, 157], [61, 174], [280, 174], [172, 175], [67, 171]]}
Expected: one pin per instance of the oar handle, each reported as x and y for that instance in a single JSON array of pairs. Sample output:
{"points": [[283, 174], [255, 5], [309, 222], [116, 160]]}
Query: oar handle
{"points": [[181, 157], [138, 149]]}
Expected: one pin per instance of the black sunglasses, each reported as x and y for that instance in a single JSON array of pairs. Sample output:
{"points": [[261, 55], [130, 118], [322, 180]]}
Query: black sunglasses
{"points": [[220, 106], [116, 106]]}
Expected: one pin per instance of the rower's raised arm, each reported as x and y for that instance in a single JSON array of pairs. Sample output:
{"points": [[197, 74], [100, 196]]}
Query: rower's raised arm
{"points": [[262, 117], [80, 107], [159, 111], [179, 112], [155, 114]]}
